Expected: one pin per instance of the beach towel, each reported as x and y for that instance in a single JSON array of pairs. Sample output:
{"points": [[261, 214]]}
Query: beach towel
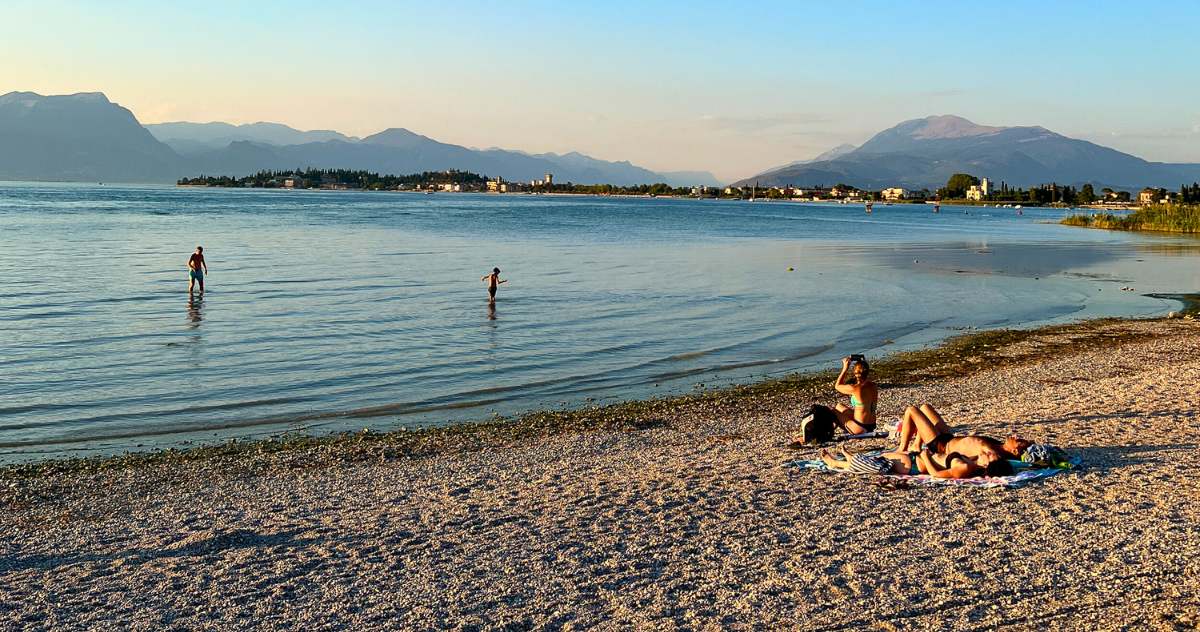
{"points": [[1025, 474]]}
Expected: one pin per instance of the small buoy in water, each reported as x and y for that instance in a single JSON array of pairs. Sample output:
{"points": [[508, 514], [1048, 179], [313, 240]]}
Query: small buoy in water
{"points": [[790, 269]]}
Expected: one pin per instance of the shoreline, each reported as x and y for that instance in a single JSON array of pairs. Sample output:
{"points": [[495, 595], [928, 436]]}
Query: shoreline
{"points": [[657, 515], [980, 349]]}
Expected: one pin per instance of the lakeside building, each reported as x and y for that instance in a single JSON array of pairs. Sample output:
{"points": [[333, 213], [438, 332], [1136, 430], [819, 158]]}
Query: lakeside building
{"points": [[892, 194], [978, 192], [500, 186], [1149, 196]]}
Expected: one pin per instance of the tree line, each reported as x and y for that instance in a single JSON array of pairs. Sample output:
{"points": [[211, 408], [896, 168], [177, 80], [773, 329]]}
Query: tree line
{"points": [[355, 178]]}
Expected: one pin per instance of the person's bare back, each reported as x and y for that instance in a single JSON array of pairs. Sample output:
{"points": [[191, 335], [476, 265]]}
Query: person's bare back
{"points": [[493, 280]]}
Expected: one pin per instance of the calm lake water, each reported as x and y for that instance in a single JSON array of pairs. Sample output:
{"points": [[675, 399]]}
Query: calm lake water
{"points": [[330, 311]]}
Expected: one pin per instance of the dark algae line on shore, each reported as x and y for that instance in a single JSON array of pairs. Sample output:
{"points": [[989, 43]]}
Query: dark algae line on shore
{"points": [[957, 357]]}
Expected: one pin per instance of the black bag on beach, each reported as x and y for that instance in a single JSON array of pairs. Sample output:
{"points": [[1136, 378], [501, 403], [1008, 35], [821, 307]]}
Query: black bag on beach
{"points": [[817, 426]]}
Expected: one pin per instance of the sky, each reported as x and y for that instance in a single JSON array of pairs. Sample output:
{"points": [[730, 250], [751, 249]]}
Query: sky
{"points": [[733, 88]]}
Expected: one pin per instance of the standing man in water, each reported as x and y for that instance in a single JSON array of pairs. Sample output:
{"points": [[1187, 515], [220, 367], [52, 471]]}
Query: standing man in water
{"points": [[197, 268], [493, 281]]}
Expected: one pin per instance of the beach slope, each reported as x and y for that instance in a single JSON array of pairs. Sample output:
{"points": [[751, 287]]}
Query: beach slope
{"points": [[692, 523]]}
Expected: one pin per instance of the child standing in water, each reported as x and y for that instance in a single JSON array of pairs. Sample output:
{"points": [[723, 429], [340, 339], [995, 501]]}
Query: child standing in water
{"points": [[493, 280], [197, 268]]}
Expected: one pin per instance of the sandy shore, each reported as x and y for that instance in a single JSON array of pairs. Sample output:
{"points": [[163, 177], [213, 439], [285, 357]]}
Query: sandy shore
{"points": [[693, 523]]}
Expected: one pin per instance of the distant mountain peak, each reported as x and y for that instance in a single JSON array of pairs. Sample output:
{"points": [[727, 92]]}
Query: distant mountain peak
{"points": [[31, 98], [396, 136], [925, 152], [945, 126]]}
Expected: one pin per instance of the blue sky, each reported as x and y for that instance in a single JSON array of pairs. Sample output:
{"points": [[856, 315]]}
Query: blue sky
{"points": [[732, 88]]}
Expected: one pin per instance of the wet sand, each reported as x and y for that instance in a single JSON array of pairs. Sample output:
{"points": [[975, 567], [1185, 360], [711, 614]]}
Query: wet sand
{"points": [[694, 523]]}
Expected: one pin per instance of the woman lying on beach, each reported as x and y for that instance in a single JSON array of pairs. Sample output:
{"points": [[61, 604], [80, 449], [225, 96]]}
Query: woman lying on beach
{"points": [[926, 424], [859, 417], [953, 465], [886, 463]]}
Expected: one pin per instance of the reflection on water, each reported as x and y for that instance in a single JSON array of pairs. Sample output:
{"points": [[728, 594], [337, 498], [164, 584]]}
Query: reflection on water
{"points": [[193, 310], [378, 323]]}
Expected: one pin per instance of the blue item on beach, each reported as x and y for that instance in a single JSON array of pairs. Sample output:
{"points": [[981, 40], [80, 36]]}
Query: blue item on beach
{"points": [[1046, 455]]}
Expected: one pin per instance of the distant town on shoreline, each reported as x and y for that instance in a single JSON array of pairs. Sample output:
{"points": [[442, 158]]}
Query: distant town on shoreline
{"points": [[960, 188]]}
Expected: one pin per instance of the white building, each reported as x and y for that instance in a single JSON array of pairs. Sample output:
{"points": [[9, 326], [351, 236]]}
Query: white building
{"points": [[894, 193]]}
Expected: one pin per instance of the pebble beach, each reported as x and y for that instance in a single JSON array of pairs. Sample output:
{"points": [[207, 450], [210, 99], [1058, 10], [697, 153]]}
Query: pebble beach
{"points": [[694, 522]]}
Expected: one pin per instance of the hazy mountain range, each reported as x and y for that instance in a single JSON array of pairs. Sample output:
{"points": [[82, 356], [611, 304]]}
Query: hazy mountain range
{"points": [[85, 137], [924, 153]]}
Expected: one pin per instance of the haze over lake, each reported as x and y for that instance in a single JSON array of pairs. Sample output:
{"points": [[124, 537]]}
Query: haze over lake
{"points": [[331, 311]]}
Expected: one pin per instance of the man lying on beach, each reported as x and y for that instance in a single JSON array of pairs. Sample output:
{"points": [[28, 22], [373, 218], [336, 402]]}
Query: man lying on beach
{"points": [[197, 268], [493, 281], [926, 424]]}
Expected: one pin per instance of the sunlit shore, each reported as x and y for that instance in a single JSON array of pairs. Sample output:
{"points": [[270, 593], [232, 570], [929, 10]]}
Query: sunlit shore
{"points": [[675, 512]]}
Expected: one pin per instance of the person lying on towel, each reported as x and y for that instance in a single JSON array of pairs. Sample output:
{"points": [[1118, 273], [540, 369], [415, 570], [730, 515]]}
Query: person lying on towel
{"points": [[927, 425], [925, 461]]}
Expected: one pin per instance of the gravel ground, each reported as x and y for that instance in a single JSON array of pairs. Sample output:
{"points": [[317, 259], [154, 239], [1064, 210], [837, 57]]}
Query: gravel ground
{"points": [[692, 525]]}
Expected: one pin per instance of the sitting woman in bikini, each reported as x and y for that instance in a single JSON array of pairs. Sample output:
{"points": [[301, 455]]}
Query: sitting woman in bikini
{"points": [[926, 424], [859, 417]]}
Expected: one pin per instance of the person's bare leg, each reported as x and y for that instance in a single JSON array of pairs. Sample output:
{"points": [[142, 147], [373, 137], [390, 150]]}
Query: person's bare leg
{"points": [[935, 417], [914, 422], [202, 285], [831, 462], [906, 429], [846, 420]]}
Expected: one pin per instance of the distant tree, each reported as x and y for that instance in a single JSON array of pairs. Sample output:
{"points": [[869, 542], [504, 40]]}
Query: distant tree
{"points": [[1087, 194], [956, 187]]}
